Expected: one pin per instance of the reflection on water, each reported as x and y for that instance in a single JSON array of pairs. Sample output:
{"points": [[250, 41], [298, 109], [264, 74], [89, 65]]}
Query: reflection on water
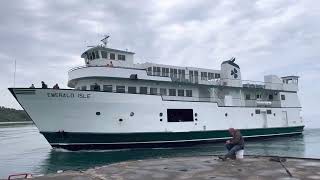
{"points": [[23, 149]]}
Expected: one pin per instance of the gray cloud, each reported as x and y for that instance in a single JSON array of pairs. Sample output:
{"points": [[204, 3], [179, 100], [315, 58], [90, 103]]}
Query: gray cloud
{"points": [[267, 37]]}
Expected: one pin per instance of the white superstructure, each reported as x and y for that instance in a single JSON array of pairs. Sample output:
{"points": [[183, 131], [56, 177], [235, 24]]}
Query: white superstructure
{"points": [[115, 103]]}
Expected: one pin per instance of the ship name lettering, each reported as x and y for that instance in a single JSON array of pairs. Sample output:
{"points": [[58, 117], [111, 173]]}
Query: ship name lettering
{"points": [[63, 95], [80, 95]]}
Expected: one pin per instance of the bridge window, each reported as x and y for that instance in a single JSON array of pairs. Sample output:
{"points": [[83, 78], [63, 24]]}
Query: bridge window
{"points": [[217, 76], [163, 91], [143, 90], [104, 54], [121, 57], [120, 89], [269, 111], [189, 93], [107, 88], [180, 92], [180, 115], [172, 92], [132, 90], [112, 56], [283, 97]]}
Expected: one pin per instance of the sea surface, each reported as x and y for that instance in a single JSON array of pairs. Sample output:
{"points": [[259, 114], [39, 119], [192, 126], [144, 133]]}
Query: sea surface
{"points": [[24, 150]]}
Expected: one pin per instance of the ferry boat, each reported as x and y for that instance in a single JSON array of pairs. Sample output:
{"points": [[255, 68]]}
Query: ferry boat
{"points": [[115, 103]]}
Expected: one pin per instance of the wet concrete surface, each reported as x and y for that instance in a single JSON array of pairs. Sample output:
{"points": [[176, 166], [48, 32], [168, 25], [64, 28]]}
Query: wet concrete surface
{"points": [[203, 167]]}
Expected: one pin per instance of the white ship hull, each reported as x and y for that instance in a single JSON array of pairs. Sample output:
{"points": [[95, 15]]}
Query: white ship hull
{"points": [[75, 119]]}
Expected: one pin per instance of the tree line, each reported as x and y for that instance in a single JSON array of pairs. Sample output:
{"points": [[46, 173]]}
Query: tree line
{"points": [[12, 115]]}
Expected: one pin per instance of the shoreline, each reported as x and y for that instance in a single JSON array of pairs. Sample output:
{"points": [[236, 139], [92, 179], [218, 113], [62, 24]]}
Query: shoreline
{"points": [[16, 123]]}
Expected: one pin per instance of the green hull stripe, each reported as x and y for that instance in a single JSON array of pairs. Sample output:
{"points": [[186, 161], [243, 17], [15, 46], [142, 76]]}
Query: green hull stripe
{"points": [[92, 138]]}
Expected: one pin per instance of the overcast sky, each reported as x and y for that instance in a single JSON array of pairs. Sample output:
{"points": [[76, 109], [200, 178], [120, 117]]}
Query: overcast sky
{"points": [[46, 38]]}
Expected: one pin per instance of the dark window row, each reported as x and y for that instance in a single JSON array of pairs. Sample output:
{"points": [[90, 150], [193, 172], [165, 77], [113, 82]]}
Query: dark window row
{"points": [[259, 112], [142, 90], [104, 54], [258, 96], [180, 73]]}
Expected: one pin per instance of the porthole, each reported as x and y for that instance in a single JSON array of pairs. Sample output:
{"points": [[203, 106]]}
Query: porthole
{"points": [[160, 119], [196, 119], [195, 114], [132, 114], [161, 114], [251, 114], [98, 113], [274, 114], [120, 120], [226, 114]]}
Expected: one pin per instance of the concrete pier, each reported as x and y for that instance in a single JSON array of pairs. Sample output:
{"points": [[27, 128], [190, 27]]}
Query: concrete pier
{"points": [[202, 167]]}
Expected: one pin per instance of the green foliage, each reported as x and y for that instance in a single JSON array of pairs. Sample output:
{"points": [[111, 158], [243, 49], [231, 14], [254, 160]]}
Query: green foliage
{"points": [[12, 115]]}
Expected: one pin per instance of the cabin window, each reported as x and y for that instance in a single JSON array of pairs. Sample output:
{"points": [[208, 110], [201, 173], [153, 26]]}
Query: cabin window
{"points": [[259, 96], [204, 76], [163, 91], [95, 87], [132, 90], [143, 90], [93, 55], [84, 88], [180, 92], [183, 74], [165, 72], [153, 91], [270, 97], [283, 97], [149, 71], [180, 115], [189, 93], [112, 56], [247, 96], [171, 72], [121, 57], [257, 111], [120, 89], [107, 88], [269, 111], [104, 54], [217, 76], [172, 92], [210, 76], [175, 73]]}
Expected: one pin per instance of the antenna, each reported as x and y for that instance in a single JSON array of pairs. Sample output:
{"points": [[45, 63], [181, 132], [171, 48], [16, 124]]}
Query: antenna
{"points": [[14, 75], [105, 40]]}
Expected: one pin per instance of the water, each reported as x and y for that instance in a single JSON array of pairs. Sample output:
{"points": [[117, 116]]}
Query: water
{"points": [[24, 149]]}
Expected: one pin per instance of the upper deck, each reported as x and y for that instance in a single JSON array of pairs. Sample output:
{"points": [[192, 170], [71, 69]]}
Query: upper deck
{"points": [[103, 62]]}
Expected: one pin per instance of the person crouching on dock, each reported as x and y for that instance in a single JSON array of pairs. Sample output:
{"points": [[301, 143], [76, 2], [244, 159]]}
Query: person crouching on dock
{"points": [[233, 145]]}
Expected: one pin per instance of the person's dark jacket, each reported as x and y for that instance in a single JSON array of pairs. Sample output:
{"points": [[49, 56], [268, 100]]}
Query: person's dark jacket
{"points": [[237, 139]]}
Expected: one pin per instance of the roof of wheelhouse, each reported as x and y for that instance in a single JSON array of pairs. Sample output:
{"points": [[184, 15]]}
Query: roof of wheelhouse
{"points": [[106, 49]]}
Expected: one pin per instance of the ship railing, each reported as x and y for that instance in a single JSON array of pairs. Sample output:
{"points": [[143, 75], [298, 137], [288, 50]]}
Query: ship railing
{"points": [[104, 66]]}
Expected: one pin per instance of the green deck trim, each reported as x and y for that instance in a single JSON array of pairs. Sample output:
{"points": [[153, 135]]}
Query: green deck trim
{"points": [[158, 137]]}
